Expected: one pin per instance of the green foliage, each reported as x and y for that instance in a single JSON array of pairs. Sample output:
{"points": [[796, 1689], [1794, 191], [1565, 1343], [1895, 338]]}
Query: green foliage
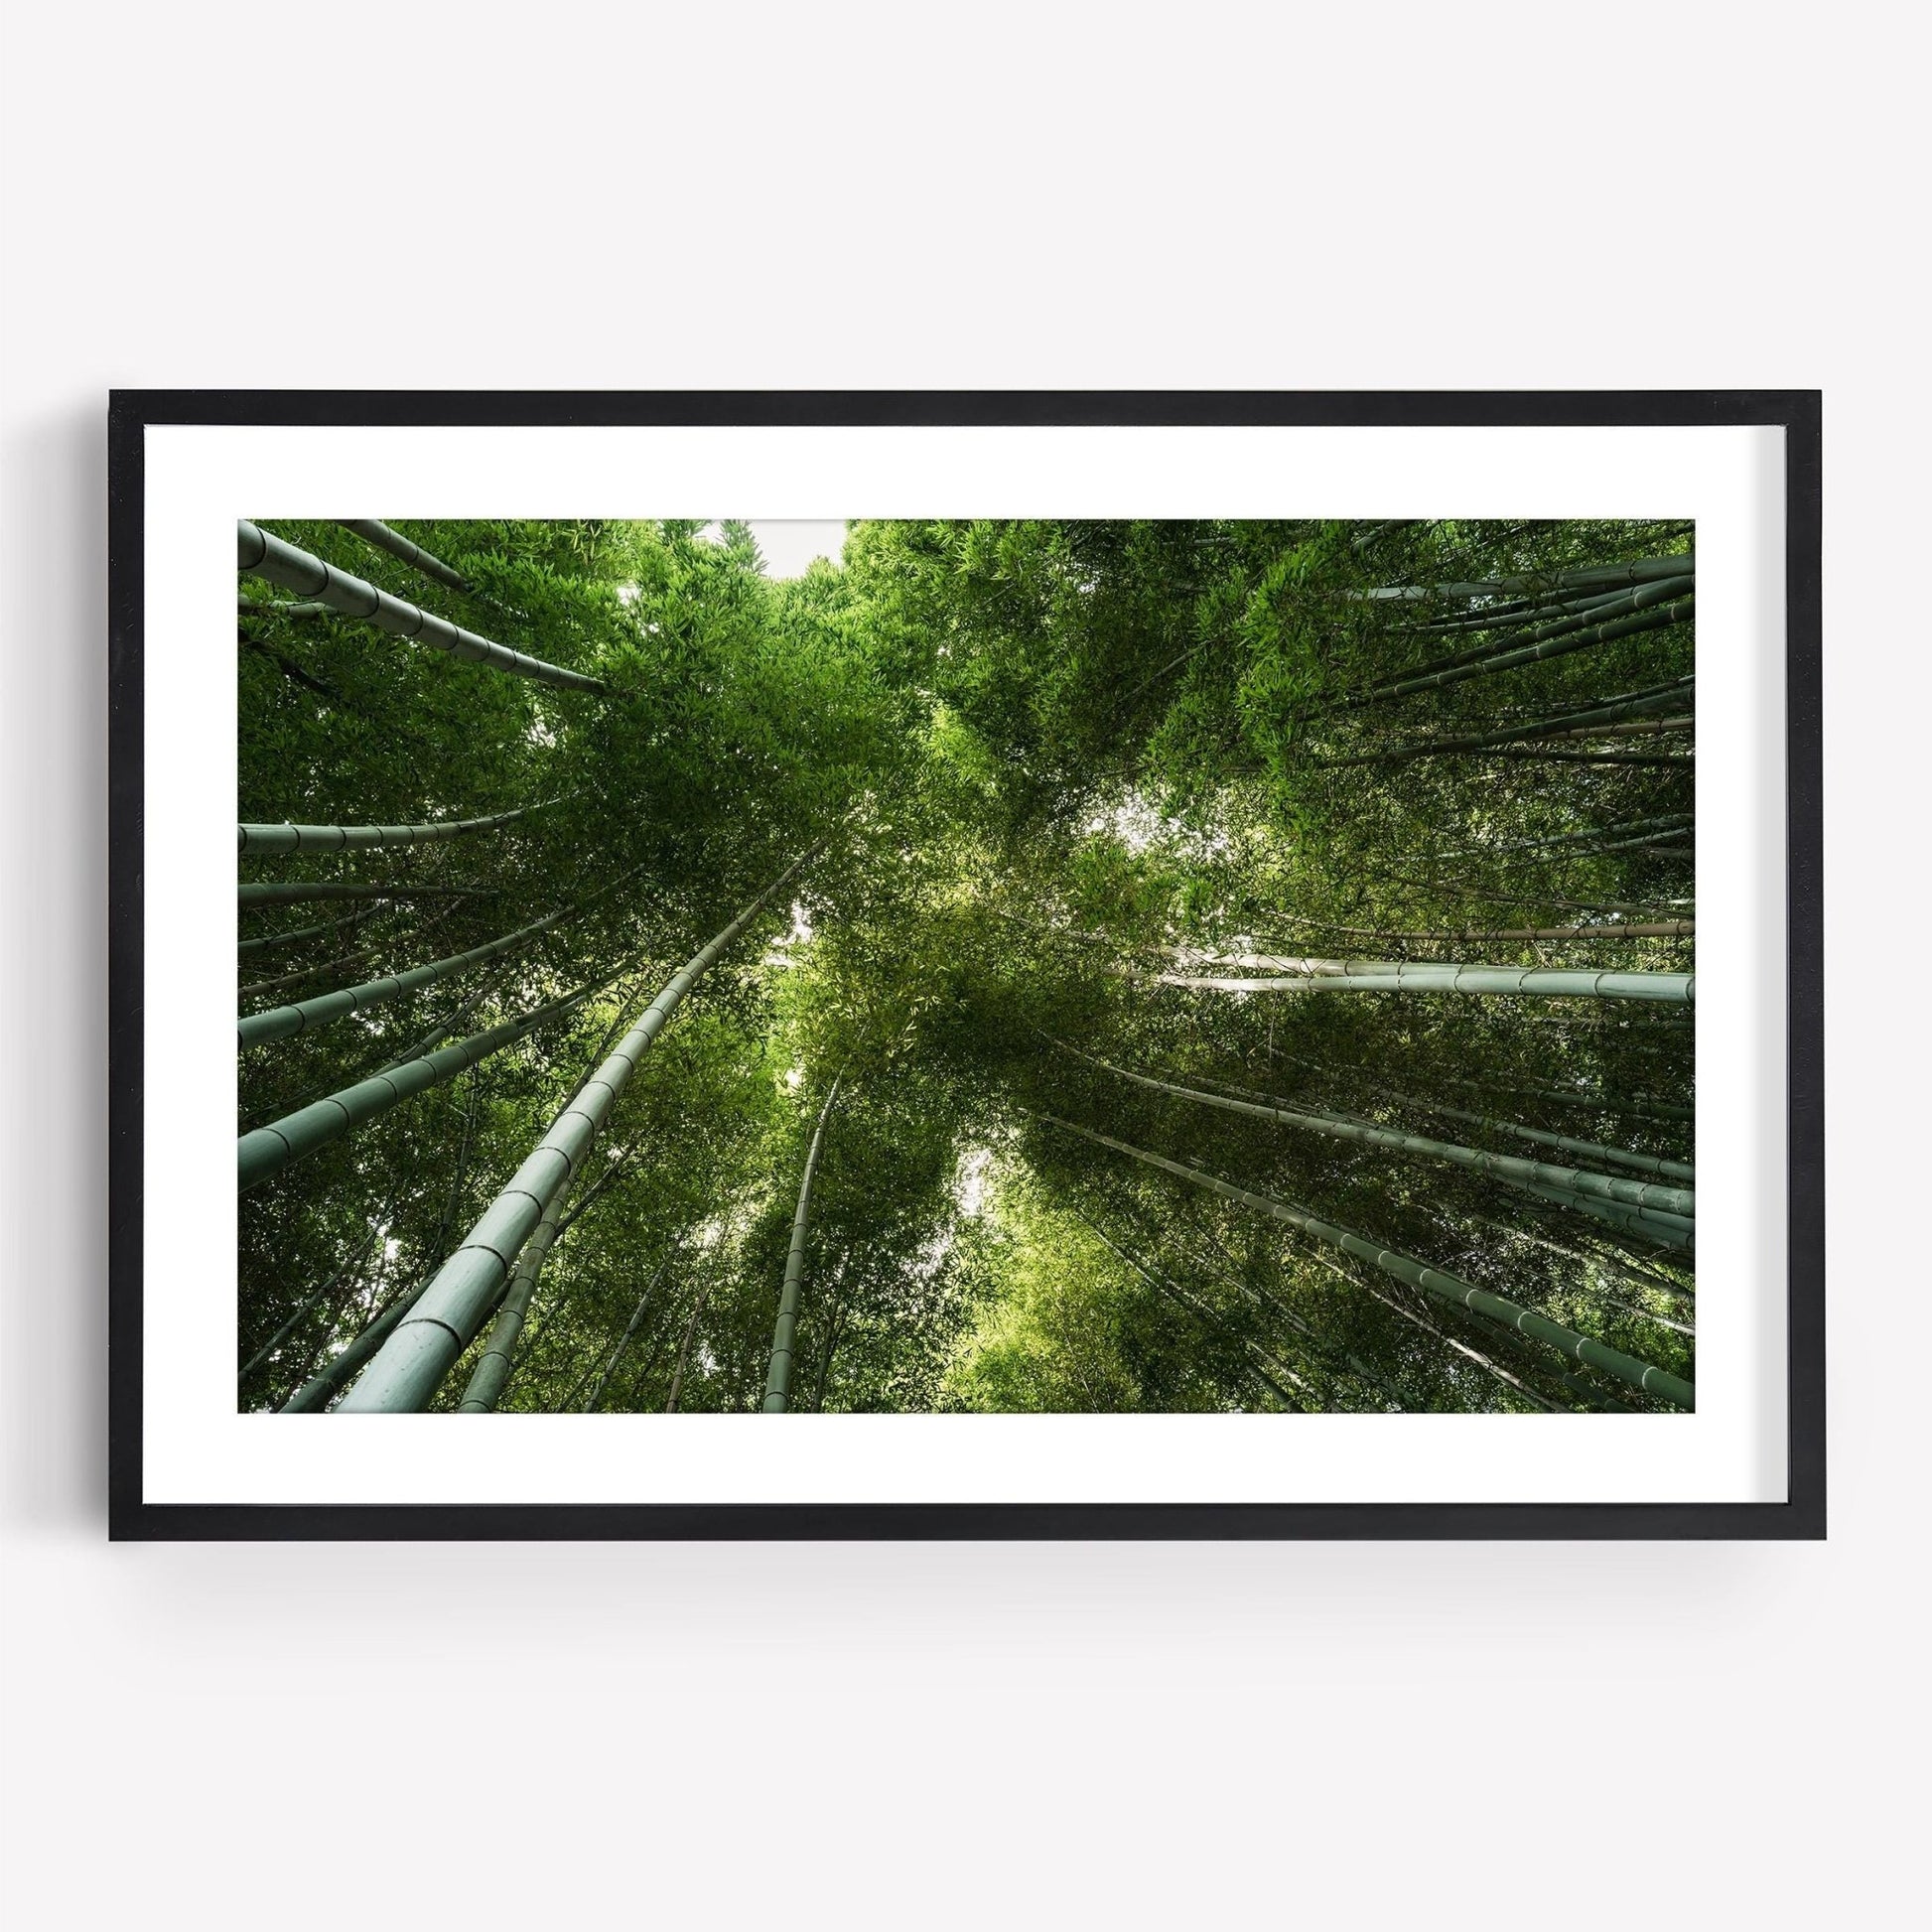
{"points": [[1045, 755]]}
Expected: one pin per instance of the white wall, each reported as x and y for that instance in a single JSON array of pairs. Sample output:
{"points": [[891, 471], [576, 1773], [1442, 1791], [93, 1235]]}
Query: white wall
{"points": [[1022, 195]]}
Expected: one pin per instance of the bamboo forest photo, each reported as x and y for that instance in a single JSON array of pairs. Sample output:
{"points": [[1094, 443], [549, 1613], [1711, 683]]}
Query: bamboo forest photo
{"points": [[987, 967]]}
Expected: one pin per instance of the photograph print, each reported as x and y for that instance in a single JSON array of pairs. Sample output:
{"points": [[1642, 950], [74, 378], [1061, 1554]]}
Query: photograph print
{"points": [[966, 967]]}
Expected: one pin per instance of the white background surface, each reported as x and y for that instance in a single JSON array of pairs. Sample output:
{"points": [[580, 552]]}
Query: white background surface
{"points": [[1728, 481], [1026, 195]]}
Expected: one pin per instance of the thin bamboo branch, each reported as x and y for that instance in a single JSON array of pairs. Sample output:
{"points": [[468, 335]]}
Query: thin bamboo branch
{"points": [[1655, 1164], [352, 1264]]}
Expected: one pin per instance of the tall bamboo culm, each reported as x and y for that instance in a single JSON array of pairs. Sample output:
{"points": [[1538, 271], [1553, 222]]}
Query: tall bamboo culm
{"points": [[305, 1016], [1413, 976], [610, 1367], [267, 1149], [257, 891], [495, 1365], [411, 1365], [1557, 640], [777, 1384], [357, 837], [1674, 1200], [379, 536], [1433, 1282], [295, 570]]}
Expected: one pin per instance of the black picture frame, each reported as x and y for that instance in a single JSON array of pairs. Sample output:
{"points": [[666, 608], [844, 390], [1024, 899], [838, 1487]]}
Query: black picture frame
{"points": [[1797, 412]]}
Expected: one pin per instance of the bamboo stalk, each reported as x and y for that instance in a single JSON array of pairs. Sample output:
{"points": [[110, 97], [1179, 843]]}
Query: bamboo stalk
{"points": [[295, 570], [412, 1364], [267, 1149], [1233, 1276], [684, 1345], [356, 838], [356, 956], [273, 939], [1630, 1106], [1536, 755], [323, 1387], [1627, 1106], [351, 1265], [1458, 888], [269, 606], [1596, 1258], [1593, 576], [1433, 976], [1654, 930], [1515, 616], [1595, 1397], [1556, 639], [1482, 1361], [442, 1027], [1597, 721], [255, 893], [1636, 1194], [777, 1383], [1672, 842], [1563, 1143], [1663, 822], [495, 1365], [623, 1341], [256, 988], [1506, 1376], [1655, 1164], [1649, 1225], [399, 546], [1637, 1243], [328, 1379], [308, 1016], [619, 1167], [1201, 1313], [1637, 728], [1433, 1282]]}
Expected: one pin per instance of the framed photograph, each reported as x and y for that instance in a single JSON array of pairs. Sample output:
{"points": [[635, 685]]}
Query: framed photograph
{"points": [[966, 965]]}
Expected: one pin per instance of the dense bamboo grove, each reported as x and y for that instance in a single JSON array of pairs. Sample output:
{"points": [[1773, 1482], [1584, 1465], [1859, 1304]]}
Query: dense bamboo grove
{"points": [[1164, 966]]}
